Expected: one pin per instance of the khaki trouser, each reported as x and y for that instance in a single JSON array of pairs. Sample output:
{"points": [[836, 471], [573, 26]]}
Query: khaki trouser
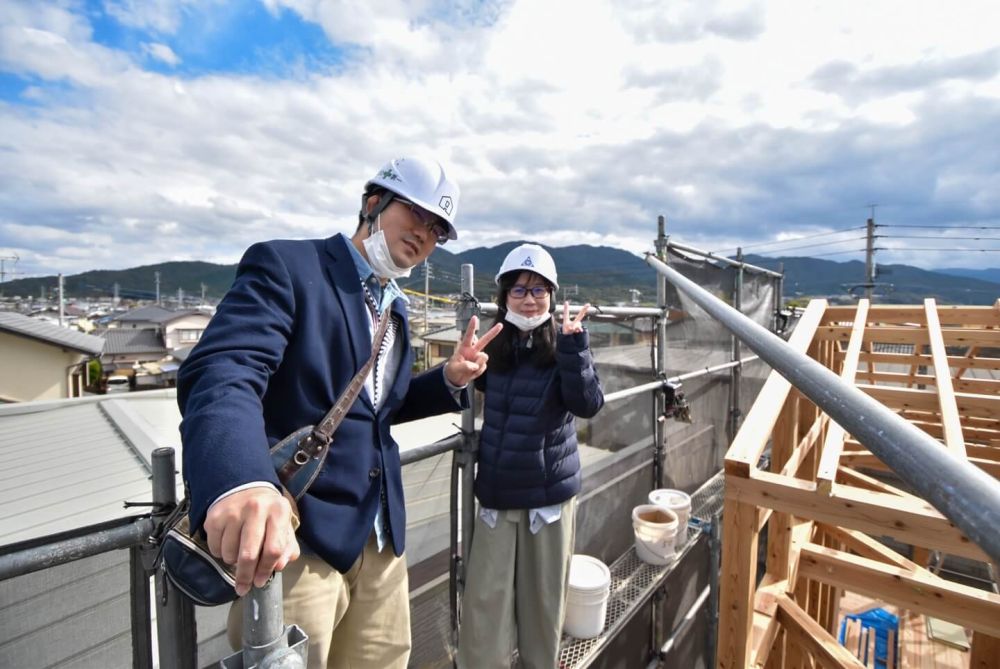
{"points": [[357, 620], [516, 591]]}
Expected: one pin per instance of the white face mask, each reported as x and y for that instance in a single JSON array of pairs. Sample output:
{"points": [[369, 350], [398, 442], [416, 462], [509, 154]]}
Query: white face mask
{"points": [[524, 323], [378, 255]]}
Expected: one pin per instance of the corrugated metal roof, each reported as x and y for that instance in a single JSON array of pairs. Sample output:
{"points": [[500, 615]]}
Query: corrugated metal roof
{"points": [[119, 341], [69, 464], [52, 334]]}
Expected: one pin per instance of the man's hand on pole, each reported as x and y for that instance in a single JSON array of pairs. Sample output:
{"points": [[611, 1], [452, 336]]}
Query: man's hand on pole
{"points": [[253, 530]]}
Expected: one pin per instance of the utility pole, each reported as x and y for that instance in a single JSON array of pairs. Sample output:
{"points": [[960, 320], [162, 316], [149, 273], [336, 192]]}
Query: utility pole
{"points": [[3, 259], [157, 275], [60, 299], [869, 283], [870, 257], [427, 296]]}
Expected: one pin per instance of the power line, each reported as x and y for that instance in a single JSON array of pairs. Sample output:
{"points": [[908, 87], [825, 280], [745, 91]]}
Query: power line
{"points": [[833, 253], [808, 246], [797, 239], [942, 227], [978, 239], [937, 248]]}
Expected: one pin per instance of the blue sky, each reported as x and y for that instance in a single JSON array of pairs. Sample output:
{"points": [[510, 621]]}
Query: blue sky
{"points": [[139, 131], [238, 37]]}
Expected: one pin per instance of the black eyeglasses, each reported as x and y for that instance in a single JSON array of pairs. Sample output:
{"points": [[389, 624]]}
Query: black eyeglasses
{"points": [[433, 223], [521, 292]]}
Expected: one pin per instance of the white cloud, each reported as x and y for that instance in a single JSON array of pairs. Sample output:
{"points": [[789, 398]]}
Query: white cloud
{"points": [[740, 122], [162, 53]]}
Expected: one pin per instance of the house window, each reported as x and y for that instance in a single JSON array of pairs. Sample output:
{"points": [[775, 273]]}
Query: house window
{"points": [[189, 335]]}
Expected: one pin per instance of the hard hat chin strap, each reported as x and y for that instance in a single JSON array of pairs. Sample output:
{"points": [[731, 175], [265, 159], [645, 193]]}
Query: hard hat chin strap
{"points": [[372, 216]]}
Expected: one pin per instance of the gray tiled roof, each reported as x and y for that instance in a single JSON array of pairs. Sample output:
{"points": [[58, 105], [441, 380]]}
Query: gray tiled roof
{"points": [[119, 341], [154, 314], [151, 313], [52, 334]]}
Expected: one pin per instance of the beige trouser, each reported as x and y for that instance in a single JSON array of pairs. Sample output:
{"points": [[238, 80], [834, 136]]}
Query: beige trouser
{"points": [[516, 591], [357, 620]]}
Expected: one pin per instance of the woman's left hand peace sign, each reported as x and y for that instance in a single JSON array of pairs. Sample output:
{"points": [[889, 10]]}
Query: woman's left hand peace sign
{"points": [[575, 325]]}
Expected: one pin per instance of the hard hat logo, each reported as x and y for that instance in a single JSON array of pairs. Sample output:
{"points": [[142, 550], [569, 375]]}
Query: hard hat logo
{"points": [[446, 204], [389, 174], [531, 258]]}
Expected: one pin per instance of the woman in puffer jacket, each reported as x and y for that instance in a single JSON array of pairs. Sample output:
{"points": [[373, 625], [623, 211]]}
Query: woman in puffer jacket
{"points": [[540, 377]]}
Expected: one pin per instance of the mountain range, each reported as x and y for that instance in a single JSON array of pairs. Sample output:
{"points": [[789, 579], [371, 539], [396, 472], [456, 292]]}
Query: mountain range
{"points": [[598, 274]]}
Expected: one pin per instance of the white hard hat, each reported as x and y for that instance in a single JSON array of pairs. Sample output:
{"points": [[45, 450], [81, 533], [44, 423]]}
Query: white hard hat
{"points": [[422, 181], [530, 258]]}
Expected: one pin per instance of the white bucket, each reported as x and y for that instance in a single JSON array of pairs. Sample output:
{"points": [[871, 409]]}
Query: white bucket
{"points": [[677, 501], [586, 597], [655, 533]]}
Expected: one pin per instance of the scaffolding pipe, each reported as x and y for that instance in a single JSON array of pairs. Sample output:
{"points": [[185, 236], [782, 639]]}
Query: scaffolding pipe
{"points": [[176, 631], [736, 373], [595, 311], [465, 458], [962, 492], [132, 532], [656, 385], [724, 260], [411, 455]]}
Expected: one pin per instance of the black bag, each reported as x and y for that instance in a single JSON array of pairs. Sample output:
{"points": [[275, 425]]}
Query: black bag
{"points": [[297, 459]]}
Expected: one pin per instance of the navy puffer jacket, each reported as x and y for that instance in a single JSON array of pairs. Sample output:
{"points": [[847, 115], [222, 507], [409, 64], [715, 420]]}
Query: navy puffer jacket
{"points": [[528, 456]]}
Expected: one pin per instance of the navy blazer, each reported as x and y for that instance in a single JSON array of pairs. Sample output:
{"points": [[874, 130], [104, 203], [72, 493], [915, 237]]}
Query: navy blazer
{"points": [[283, 345]]}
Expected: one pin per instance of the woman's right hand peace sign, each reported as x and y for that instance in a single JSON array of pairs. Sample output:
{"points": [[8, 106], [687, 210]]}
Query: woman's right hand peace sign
{"points": [[575, 325]]}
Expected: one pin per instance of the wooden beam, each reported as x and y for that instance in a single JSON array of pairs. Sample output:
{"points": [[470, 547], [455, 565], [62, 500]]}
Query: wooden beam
{"points": [[737, 577], [891, 313], [751, 440], [950, 420], [911, 521], [852, 477], [825, 649], [917, 359], [830, 455], [954, 602], [909, 335], [969, 404], [977, 386], [766, 625], [805, 446], [865, 546], [985, 652]]}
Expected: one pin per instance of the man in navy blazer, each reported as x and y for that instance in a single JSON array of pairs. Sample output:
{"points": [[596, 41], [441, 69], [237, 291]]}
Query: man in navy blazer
{"points": [[294, 328]]}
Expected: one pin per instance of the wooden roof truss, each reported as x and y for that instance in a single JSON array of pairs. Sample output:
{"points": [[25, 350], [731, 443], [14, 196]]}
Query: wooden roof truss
{"points": [[821, 498]]}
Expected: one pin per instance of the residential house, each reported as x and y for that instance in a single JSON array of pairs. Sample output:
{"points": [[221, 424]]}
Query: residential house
{"points": [[176, 328], [125, 350], [42, 361]]}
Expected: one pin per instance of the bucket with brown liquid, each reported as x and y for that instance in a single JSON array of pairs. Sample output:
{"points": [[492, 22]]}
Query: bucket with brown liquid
{"points": [[655, 533]]}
